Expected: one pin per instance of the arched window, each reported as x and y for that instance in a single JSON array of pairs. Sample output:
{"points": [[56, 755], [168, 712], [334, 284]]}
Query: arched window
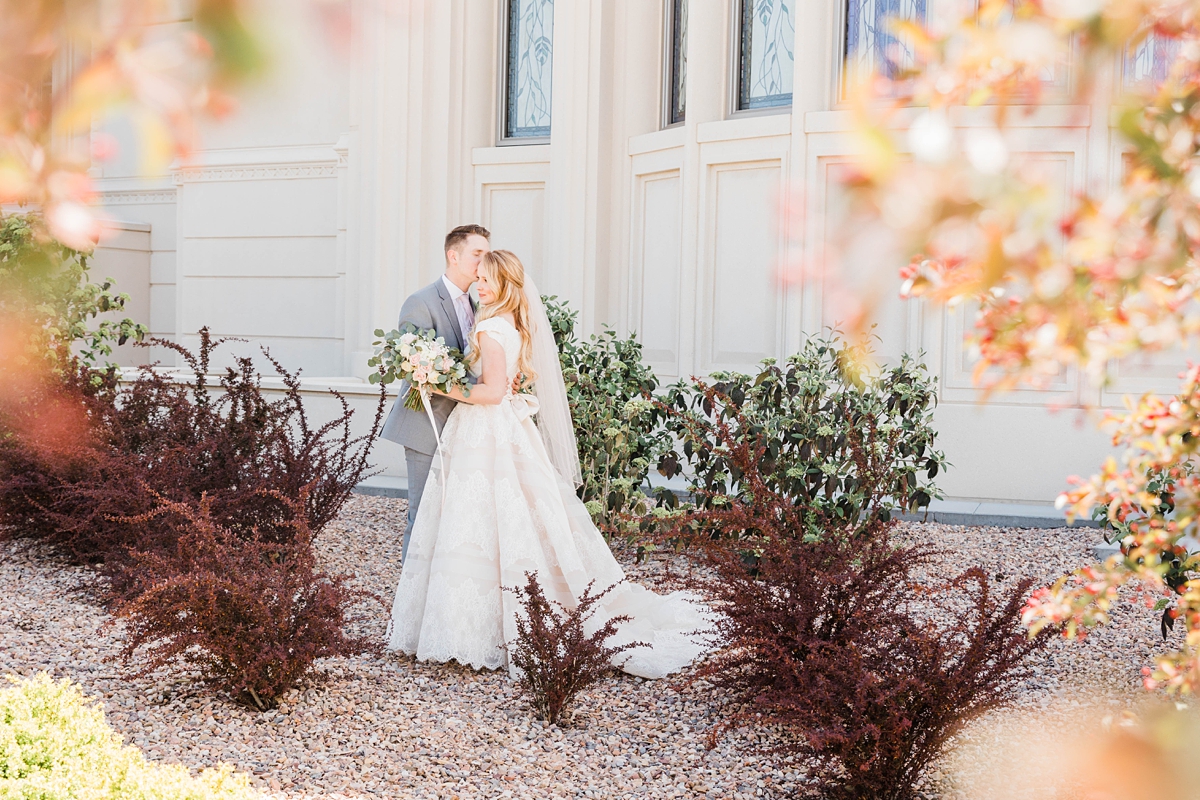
{"points": [[766, 53], [528, 62]]}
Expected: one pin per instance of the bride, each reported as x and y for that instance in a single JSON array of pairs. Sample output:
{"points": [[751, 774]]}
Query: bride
{"points": [[501, 502]]}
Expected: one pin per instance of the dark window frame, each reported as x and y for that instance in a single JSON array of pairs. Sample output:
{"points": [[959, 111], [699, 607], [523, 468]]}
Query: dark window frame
{"points": [[675, 94], [511, 133]]}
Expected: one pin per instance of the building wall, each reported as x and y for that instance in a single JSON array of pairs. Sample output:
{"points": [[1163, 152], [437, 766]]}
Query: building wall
{"points": [[312, 214]]}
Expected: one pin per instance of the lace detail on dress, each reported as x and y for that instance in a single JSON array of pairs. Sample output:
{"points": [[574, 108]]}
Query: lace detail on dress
{"points": [[506, 511]]}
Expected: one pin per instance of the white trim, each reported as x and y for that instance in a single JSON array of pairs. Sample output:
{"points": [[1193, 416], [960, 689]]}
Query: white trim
{"points": [[533, 154], [257, 156], [258, 172], [666, 139], [733, 55], [745, 126], [113, 197], [1064, 116], [125, 225]]}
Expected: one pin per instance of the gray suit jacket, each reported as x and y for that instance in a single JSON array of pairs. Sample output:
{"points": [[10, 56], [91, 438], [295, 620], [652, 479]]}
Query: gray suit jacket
{"points": [[426, 308]]}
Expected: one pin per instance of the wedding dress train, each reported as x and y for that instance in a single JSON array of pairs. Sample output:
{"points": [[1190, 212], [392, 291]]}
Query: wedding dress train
{"points": [[497, 510]]}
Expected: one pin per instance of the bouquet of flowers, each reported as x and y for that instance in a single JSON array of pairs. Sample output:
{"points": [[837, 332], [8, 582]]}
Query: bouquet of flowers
{"points": [[421, 358]]}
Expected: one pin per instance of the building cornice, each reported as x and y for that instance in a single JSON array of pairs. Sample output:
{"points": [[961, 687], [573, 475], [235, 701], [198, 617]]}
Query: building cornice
{"points": [[124, 197], [256, 172]]}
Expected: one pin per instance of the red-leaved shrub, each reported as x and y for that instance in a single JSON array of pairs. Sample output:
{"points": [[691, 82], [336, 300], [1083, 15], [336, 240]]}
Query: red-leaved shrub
{"points": [[161, 438], [198, 503], [829, 638], [555, 656], [249, 614], [52, 440]]}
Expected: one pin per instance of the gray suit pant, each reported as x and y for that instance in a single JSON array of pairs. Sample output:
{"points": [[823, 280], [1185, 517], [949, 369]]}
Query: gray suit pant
{"points": [[418, 473]]}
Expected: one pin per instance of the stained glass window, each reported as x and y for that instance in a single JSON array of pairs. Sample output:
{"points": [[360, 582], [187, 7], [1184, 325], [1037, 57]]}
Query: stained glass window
{"points": [[530, 51], [1150, 61], [871, 44], [767, 53], [677, 61], [1052, 75]]}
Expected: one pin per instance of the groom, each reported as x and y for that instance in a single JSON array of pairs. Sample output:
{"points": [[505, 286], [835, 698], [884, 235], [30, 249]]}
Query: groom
{"points": [[445, 307]]}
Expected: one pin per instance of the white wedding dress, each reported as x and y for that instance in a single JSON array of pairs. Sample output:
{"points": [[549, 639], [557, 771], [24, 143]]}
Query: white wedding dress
{"points": [[505, 510]]}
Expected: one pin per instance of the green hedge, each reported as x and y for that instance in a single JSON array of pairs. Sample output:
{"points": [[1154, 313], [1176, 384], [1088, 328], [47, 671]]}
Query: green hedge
{"points": [[55, 745], [46, 286], [619, 431], [831, 423], [838, 434]]}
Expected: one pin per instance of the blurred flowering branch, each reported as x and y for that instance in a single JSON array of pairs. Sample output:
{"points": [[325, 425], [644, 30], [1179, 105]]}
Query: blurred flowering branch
{"points": [[1109, 273], [64, 65]]}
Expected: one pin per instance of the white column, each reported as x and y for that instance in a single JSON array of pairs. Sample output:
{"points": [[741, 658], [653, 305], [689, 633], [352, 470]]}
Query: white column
{"points": [[707, 91], [573, 187]]}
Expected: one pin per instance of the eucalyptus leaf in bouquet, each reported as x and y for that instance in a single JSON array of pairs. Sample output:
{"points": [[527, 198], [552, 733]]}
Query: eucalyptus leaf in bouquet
{"points": [[420, 357]]}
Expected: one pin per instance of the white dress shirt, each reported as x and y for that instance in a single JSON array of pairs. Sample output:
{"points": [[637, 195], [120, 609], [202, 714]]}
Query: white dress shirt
{"points": [[462, 307]]}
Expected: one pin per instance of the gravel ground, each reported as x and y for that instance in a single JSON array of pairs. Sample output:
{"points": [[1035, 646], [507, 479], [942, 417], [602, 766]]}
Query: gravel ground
{"points": [[389, 727]]}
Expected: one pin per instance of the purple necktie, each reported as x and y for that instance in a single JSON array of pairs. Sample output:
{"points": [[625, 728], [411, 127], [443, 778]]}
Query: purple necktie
{"points": [[464, 303]]}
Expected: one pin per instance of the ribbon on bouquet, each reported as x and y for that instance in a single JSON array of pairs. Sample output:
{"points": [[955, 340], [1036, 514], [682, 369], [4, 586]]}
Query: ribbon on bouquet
{"points": [[437, 438]]}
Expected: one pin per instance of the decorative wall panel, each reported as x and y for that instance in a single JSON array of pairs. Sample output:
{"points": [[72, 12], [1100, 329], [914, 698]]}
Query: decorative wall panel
{"points": [[257, 258], [958, 323], [867, 271], [656, 263], [1147, 372], [515, 214], [740, 324]]}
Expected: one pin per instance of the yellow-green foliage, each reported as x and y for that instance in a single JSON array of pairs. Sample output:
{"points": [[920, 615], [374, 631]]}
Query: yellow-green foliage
{"points": [[55, 745]]}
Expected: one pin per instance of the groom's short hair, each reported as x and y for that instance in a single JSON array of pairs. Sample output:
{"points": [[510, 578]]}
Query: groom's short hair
{"points": [[456, 237]]}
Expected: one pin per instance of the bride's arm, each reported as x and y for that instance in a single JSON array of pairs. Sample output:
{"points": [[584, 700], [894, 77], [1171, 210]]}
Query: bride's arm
{"points": [[493, 383]]}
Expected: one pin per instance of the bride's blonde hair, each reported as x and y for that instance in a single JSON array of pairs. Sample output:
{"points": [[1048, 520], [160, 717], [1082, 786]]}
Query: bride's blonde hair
{"points": [[506, 275]]}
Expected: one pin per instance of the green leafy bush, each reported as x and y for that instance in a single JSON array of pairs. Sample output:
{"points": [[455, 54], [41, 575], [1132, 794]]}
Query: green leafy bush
{"points": [[45, 287], [55, 745], [1128, 524], [852, 443], [618, 428]]}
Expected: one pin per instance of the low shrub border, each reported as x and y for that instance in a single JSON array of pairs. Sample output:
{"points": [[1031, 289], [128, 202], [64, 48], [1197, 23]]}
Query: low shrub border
{"points": [[555, 657], [198, 503], [826, 637], [852, 443], [55, 744]]}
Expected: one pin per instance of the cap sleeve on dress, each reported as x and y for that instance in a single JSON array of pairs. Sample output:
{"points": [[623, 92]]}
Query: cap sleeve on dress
{"points": [[501, 331], [492, 325]]}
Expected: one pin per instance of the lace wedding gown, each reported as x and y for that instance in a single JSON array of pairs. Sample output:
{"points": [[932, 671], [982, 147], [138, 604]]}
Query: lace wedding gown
{"points": [[505, 511]]}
